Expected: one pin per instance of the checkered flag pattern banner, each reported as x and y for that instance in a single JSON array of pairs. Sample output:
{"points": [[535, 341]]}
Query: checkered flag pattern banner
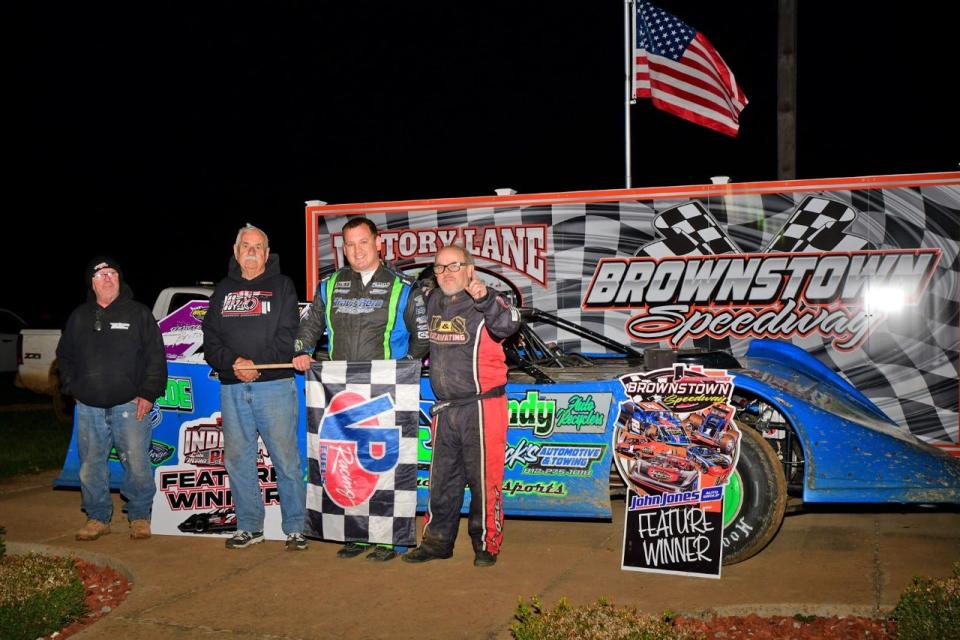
{"points": [[908, 363], [688, 230], [819, 224], [362, 426]]}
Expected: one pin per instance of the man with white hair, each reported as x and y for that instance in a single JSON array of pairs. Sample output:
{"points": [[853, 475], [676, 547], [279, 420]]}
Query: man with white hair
{"points": [[253, 319]]}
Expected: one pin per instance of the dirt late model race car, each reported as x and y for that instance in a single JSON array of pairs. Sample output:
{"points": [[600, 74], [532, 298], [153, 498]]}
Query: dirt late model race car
{"points": [[804, 432], [216, 521]]}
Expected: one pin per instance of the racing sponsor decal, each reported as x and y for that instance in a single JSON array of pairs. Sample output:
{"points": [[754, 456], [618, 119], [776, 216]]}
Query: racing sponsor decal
{"points": [[354, 449], [178, 397], [521, 248], [517, 488], [362, 450], [356, 306], [521, 487], [159, 453], [452, 331], [813, 278], [246, 303], [676, 445], [183, 333], [546, 414], [566, 459]]}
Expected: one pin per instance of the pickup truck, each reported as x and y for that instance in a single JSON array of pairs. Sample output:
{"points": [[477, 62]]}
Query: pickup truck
{"points": [[37, 356]]}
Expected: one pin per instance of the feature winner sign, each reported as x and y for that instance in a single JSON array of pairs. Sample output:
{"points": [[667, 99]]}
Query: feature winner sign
{"points": [[194, 497], [676, 445]]}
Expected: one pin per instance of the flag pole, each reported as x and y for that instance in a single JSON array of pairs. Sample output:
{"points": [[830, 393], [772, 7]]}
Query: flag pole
{"points": [[627, 86]]}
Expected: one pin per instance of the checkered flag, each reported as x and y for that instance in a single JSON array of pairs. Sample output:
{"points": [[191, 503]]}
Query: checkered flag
{"points": [[818, 224], [688, 230], [362, 427]]}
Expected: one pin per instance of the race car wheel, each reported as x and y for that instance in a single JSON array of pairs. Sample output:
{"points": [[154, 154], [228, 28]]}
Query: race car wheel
{"points": [[201, 526], [755, 499]]}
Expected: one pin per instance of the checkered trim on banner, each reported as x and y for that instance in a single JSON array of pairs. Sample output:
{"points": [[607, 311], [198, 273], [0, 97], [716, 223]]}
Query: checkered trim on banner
{"points": [[389, 515], [818, 225], [688, 230]]}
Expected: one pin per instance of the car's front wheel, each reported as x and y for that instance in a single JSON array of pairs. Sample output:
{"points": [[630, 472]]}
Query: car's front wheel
{"points": [[755, 499]]}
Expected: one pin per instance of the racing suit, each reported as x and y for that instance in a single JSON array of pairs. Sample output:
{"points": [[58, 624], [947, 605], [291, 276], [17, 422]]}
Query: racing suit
{"points": [[384, 320], [468, 373]]}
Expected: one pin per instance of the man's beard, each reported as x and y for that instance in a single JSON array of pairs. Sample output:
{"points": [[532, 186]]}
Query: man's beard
{"points": [[450, 290]]}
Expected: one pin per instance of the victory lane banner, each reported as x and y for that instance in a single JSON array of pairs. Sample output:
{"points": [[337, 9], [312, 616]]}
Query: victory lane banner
{"points": [[362, 434]]}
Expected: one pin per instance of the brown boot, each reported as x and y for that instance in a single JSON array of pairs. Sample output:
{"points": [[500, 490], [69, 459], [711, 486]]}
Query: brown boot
{"points": [[93, 530], [139, 529]]}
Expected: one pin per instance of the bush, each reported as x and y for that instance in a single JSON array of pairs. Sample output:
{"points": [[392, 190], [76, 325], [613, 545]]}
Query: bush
{"points": [[38, 595], [930, 609], [600, 621]]}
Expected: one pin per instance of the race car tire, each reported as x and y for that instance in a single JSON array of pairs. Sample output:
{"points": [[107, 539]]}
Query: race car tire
{"points": [[201, 526], [764, 499]]}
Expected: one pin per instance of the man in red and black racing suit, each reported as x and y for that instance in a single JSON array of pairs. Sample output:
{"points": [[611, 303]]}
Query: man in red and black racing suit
{"points": [[468, 374]]}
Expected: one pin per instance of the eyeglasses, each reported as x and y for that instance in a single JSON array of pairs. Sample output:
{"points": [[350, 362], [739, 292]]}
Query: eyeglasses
{"points": [[100, 275], [97, 320], [453, 267]]}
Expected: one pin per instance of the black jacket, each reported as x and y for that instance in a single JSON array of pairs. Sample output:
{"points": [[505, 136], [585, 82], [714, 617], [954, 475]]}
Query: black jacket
{"points": [[384, 320], [124, 360], [256, 319], [466, 335]]}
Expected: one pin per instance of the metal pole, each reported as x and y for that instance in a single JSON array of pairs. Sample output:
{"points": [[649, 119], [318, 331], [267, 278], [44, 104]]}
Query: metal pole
{"points": [[787, 90], [627, 84]]}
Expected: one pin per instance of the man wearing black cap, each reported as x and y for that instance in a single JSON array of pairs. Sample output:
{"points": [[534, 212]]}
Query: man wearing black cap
{"points": [[112, 361]]}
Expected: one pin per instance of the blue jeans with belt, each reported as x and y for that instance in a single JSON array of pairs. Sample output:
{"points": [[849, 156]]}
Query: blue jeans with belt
{"points": [[98, 431], [270, 409]]}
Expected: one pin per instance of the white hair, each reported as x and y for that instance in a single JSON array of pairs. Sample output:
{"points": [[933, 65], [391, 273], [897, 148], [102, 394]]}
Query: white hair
{"points": [[250, 227]]}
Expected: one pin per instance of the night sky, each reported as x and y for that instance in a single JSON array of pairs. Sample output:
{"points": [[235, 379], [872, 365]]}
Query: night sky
{"points": [[151, 131]]}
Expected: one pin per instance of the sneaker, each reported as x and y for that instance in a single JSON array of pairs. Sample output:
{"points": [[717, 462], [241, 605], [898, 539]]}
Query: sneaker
{"points": [[484, 559], [382, 554], [352, 550], [296, 542], [92, 530], [243, 539], [139, 529], [419, 555]]}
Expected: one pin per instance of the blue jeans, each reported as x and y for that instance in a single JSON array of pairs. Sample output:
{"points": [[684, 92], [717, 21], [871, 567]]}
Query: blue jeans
{"points": [[99, 430], [270, 408]]}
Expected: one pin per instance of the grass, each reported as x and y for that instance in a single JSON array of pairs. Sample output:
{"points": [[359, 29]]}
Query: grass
{"points": [[31, 439]]}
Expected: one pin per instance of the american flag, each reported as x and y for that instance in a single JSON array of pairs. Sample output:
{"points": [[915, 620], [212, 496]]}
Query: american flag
{"points": [[682, 73]]}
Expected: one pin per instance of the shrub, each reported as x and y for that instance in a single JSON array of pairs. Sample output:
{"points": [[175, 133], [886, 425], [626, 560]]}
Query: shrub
{"points": [[930, 609], [599, 621], [38, 595]]}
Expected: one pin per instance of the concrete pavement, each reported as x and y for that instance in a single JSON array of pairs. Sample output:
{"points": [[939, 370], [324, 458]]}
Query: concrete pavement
{"points": [[821, 563]]}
